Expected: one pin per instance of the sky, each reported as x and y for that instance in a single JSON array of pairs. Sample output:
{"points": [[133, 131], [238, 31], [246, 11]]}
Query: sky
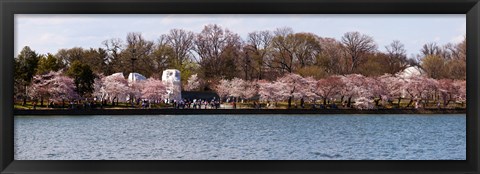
{"points": [[47, 33]]}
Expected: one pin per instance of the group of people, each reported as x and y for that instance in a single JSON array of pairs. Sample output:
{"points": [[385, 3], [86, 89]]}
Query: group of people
{"points": [[196, 104], [72, 104]]}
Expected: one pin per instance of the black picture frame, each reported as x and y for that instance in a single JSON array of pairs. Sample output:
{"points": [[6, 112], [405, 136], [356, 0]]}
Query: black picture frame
{"points": [[10, 7]]}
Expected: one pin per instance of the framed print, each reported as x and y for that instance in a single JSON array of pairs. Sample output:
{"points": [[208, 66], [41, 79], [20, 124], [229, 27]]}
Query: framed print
{"points": [[281, 87]]}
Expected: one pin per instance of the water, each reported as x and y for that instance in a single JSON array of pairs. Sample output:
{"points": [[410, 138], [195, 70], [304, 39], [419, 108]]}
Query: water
{"points": [[225, 137]]}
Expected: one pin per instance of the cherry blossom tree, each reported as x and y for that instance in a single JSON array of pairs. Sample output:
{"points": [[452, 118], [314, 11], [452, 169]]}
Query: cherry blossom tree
{"points": [[293, 85], [376, 89], [99, 91], [394, 87], [116, 86], [328, 87], [365, 90], [63, 89], [53, 86], [269, 91], [448, 90], [135, 91], [413, 87], [251, 89], [40, 86], [310, 91], [193, 83], [420, 88], [462, 93], [223, 88], [265, 90], [431, 89], [237, 87], [354, 87], [153, 89]]}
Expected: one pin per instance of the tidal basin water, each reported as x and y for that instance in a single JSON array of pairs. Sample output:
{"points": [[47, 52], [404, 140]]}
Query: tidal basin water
{"points": [[235, 137]]}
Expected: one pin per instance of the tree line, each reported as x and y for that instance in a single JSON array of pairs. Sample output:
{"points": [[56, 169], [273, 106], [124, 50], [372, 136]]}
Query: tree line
{"points": [[217, 53], [352, 90]]}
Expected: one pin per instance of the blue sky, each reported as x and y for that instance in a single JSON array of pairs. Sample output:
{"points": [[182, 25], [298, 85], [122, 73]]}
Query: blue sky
{"points": [[49, 33]]}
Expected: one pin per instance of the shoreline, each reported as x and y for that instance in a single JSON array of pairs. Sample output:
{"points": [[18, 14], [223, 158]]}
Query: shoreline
{"points": [[233, 111]]}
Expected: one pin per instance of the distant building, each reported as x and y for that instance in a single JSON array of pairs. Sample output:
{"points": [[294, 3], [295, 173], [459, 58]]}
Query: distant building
{"points": [[121, 97], [134, 77], [172, 80], [410, 72]]}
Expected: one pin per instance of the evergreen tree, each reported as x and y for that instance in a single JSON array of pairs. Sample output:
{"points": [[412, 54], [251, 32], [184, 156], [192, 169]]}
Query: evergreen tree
{"points": [[83, 76], [25, 68]]}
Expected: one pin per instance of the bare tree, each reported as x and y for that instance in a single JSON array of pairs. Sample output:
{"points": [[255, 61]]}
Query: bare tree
{"points": [[461, 50], [356, 46], [283, 46], [114, 48], [431, 49], [162, 56], [307, 49], [182, 43], [210, 45], [396, 57], [331, 58], [257, 48], [140, 49]]}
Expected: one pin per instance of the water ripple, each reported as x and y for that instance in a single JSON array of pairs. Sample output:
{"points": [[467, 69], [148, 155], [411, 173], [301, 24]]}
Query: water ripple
{"points": [[244, 137]]}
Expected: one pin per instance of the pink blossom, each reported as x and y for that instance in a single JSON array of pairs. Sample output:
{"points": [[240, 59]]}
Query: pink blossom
{"points": [[293, 85], [328, 87], [193, 83], [462, 90], [268, 91], [54, 86], [116, 86], [153, 89]]}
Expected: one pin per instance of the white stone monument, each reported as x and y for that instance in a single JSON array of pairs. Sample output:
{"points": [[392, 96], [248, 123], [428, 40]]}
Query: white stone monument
{"points": [[171, 78], [135, 77], [132, 79]]}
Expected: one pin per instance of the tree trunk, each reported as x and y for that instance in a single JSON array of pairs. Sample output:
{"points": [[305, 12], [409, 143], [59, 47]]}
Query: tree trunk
{"points": [[409, 103], [324, 101], [349, 104], [41, 101], [289, 102], [25, 97], [302, 103], [399, 99], [113, 101]]}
